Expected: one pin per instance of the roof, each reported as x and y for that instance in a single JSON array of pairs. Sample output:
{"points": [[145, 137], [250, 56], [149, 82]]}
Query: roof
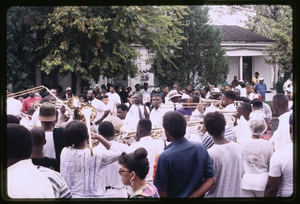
{"points": [[237, 33]]}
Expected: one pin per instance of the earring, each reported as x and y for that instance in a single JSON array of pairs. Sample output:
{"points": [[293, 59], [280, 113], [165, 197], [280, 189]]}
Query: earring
{"points": [[131, 181]]}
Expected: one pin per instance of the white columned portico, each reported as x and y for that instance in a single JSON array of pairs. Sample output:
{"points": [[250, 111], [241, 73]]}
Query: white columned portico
{"points": [[240, 68]]}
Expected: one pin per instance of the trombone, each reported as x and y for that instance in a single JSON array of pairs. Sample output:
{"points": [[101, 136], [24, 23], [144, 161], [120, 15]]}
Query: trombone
{"points": [[27, 91]]}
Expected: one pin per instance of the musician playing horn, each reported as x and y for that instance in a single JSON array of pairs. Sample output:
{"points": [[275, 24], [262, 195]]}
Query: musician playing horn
{"points": [[28, 102]]}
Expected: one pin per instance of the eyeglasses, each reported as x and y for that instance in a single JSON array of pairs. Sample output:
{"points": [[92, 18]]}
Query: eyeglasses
{"points": [[121, 171]]}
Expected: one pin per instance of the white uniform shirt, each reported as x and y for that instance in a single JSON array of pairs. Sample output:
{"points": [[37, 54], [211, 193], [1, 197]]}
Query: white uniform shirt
{"points": [[13, 106], [113, 99], [133, 114], [24, 180], [100, 107], [156, 116]]}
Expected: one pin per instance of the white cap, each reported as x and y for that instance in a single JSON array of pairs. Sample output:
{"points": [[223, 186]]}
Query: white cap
{"points": [[241, 80], [216, 90], [260, 78]]}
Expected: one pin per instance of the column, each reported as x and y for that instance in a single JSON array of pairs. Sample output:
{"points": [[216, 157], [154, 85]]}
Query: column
{"points": [[241, 68]]}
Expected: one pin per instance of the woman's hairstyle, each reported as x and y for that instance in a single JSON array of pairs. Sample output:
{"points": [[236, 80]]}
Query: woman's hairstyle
{"points": [[174, 123], [214, 123], [136, 161], [75, 133], [19, 142]]}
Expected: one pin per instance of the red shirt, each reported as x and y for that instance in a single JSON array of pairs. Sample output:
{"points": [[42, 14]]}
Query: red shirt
{"points": [[28, 102]]}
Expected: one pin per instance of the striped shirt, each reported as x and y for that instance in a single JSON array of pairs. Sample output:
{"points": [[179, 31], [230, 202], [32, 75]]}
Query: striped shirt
{"points": [[208, 141], [59, 185]]}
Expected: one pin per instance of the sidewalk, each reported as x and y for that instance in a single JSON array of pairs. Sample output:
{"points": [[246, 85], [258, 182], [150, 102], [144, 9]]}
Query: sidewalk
{"points": [[274, 122]]}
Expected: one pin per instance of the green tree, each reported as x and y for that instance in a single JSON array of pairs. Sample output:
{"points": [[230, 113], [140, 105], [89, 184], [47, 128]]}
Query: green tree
{"points": [[200, 59], [21, 44], [103, 37]]}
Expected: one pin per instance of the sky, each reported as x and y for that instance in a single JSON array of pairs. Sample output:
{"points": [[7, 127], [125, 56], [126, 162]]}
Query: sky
{"points": [[225, 19]]}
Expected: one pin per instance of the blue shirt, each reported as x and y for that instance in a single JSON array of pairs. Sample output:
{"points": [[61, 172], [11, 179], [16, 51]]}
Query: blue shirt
{"points": [[185, 111], [261, 89], [182, 167]]}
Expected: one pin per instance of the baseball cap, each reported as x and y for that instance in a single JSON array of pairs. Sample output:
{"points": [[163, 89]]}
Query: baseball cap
{"points": [[68, 88], [173, 94], [47, 112]]}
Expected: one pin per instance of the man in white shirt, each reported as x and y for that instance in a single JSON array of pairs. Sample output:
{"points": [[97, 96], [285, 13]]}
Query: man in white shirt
{"points": [[113, 100], [13, 106], [102, 110], [280, 180], [114, 186], [281, 137], [157, 112], [146, 93], [174, 101], [24, 180], [137, 111], [153, 146]]}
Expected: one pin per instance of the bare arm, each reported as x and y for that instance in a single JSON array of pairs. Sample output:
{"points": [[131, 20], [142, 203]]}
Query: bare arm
{"points": [[204, 187], [272, 186], [145, 111], [104, 116]]}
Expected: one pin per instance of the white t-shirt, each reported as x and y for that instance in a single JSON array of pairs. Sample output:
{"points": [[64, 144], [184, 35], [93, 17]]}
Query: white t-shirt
{"points": [[227, 161], [49, 149], [281, 136], [13, 106], [24, 180], [257, 155], [100, 107], [281, 164]]}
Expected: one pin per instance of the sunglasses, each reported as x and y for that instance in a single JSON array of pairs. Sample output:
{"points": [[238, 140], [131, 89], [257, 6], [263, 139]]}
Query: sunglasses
{"points": [[121, 171]]}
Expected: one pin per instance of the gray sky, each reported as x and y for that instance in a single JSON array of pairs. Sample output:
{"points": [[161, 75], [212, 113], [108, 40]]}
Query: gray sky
{"points": [[225, 19]]}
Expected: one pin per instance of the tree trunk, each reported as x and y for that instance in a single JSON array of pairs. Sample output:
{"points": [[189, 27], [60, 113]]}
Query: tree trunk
{"points": [[78, 85]]}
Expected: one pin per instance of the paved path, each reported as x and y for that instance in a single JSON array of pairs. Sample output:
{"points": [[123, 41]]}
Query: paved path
{"points": [[274, 122]]}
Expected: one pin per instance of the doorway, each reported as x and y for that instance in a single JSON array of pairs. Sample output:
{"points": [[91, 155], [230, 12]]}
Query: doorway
{"points": [[247, 68]]}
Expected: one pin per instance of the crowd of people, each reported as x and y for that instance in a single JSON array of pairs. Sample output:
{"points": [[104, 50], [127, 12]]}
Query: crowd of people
{"points": [[214, 142]]}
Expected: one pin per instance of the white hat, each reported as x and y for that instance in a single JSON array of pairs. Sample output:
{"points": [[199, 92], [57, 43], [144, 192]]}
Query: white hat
{"points": [[68, 88], [260, 78], [173, 94], [241, 80], [185, 96]]}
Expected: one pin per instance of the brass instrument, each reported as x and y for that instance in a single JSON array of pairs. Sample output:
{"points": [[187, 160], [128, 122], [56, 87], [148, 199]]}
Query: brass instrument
{"points": [[27, 91], [87, 114]]}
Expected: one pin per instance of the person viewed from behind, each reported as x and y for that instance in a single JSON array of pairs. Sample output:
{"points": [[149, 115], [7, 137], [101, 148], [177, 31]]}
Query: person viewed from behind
{"points": [[23, 179], [280, 107], [184, 169], [257, 154], [37, 155], [133, 170], [84, 173], [226, 157], [281, 176], [114, 187]]}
